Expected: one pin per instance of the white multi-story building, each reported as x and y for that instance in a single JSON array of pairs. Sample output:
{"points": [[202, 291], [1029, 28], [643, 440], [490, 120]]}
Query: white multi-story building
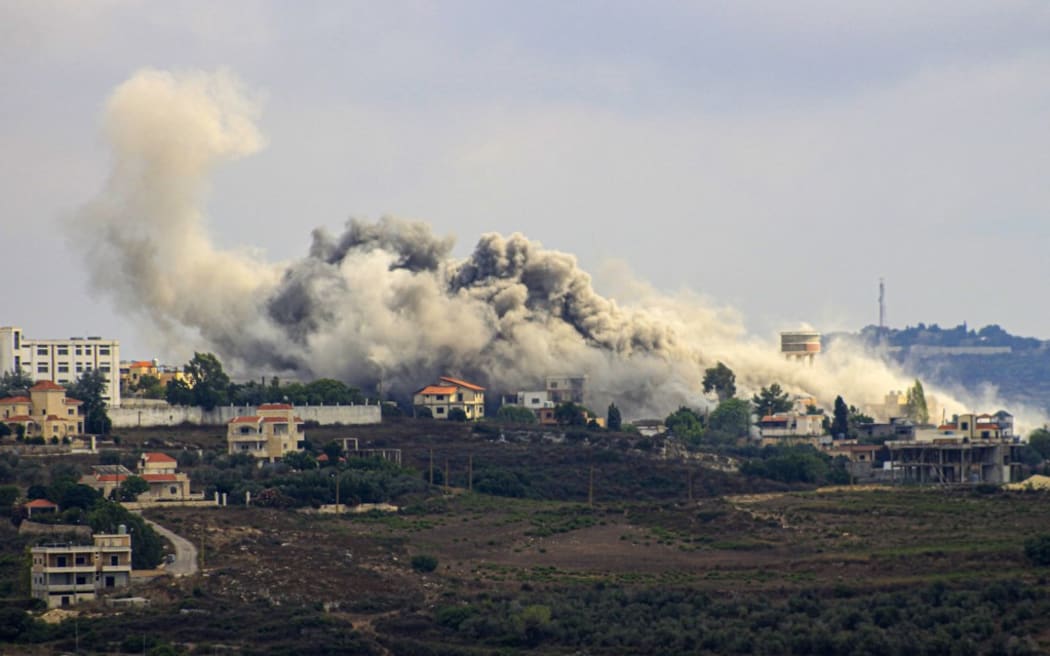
{"points": [[62, 360]]}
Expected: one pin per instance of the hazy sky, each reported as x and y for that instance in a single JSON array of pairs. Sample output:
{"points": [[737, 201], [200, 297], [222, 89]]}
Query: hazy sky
{"points": [[775, 157]]}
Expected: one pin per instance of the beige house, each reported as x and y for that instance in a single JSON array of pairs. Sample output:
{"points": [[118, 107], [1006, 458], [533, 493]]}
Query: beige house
{"points": [[165, 483], [159, 470], [268, 435], [63, 575], [449, 394], [46, 412], [791, 424], [132, 373]]}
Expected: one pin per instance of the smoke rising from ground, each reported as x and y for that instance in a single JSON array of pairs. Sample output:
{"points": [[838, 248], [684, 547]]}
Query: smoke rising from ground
{"points": [[384, 303]]}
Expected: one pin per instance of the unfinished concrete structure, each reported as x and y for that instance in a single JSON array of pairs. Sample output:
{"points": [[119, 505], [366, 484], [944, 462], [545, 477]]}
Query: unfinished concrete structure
{"points": [[951, 460], [64, 574]]}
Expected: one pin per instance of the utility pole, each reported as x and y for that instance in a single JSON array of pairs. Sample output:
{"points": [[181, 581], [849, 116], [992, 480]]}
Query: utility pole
{"points": [[431, 466]]}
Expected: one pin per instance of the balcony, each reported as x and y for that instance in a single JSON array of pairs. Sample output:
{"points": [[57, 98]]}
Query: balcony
{"points": [[81, 588]]}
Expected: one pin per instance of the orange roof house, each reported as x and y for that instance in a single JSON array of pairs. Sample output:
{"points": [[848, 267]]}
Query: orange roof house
{"points": [[451, 394], [40, 506], [269, 435], [46, 412]]}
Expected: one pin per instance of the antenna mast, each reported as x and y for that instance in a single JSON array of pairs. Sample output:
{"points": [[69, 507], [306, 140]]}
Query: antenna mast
{"points": [[882, 307]]}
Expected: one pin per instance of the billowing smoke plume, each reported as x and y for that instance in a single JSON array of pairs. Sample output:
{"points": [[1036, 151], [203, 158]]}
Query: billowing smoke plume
{"points": [[384, 303]]}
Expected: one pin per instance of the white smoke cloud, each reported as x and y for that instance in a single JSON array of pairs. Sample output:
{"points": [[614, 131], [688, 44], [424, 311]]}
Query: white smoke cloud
{"points": [[385, 303]]}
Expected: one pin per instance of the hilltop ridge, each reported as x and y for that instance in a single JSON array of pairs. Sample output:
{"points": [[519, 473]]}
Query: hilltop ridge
{"points": [[964, 357]]}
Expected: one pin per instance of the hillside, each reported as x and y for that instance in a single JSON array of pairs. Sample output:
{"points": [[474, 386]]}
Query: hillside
{"points": [[672, 556], [964, 358]]}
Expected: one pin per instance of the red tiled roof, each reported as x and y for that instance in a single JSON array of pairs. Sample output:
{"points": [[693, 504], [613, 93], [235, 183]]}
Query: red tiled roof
{"points": [[142, 364], [157, 457], [987, 426], [11, 400], [275, 406], [275, 420], [245, 420], [159, 478], [69, 401], [46, 385], [53, 418], [463, 383], [19, 418], [947, 427], [437, 389], [41, 503]]}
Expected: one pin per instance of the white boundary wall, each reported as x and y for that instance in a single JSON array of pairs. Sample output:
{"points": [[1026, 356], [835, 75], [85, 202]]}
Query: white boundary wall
{"points": [[174, 415]]}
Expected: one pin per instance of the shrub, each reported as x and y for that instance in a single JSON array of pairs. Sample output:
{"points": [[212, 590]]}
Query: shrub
{"points": [[424, 563], [1037, 549]]}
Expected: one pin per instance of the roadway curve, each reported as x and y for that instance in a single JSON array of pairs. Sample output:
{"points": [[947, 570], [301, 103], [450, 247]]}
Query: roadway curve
{"points": [[185, 553]]}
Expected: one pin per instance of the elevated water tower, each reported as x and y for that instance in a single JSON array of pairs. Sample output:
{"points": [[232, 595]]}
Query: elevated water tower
{"points": [[800, 345]]}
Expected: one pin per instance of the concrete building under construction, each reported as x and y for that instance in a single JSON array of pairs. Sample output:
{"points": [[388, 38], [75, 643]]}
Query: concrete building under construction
{"points": [[951, 460]]}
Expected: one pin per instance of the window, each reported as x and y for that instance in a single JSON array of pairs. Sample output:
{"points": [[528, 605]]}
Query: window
{"points": [[81, 580], [60, 561], [62, 350], [41, 368], [114, 561], [80, 367], [103, 350], [104, 368], [440, 411], [80, 560], [78, 350], [440, 397], [41, 350], [965, 426]]}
